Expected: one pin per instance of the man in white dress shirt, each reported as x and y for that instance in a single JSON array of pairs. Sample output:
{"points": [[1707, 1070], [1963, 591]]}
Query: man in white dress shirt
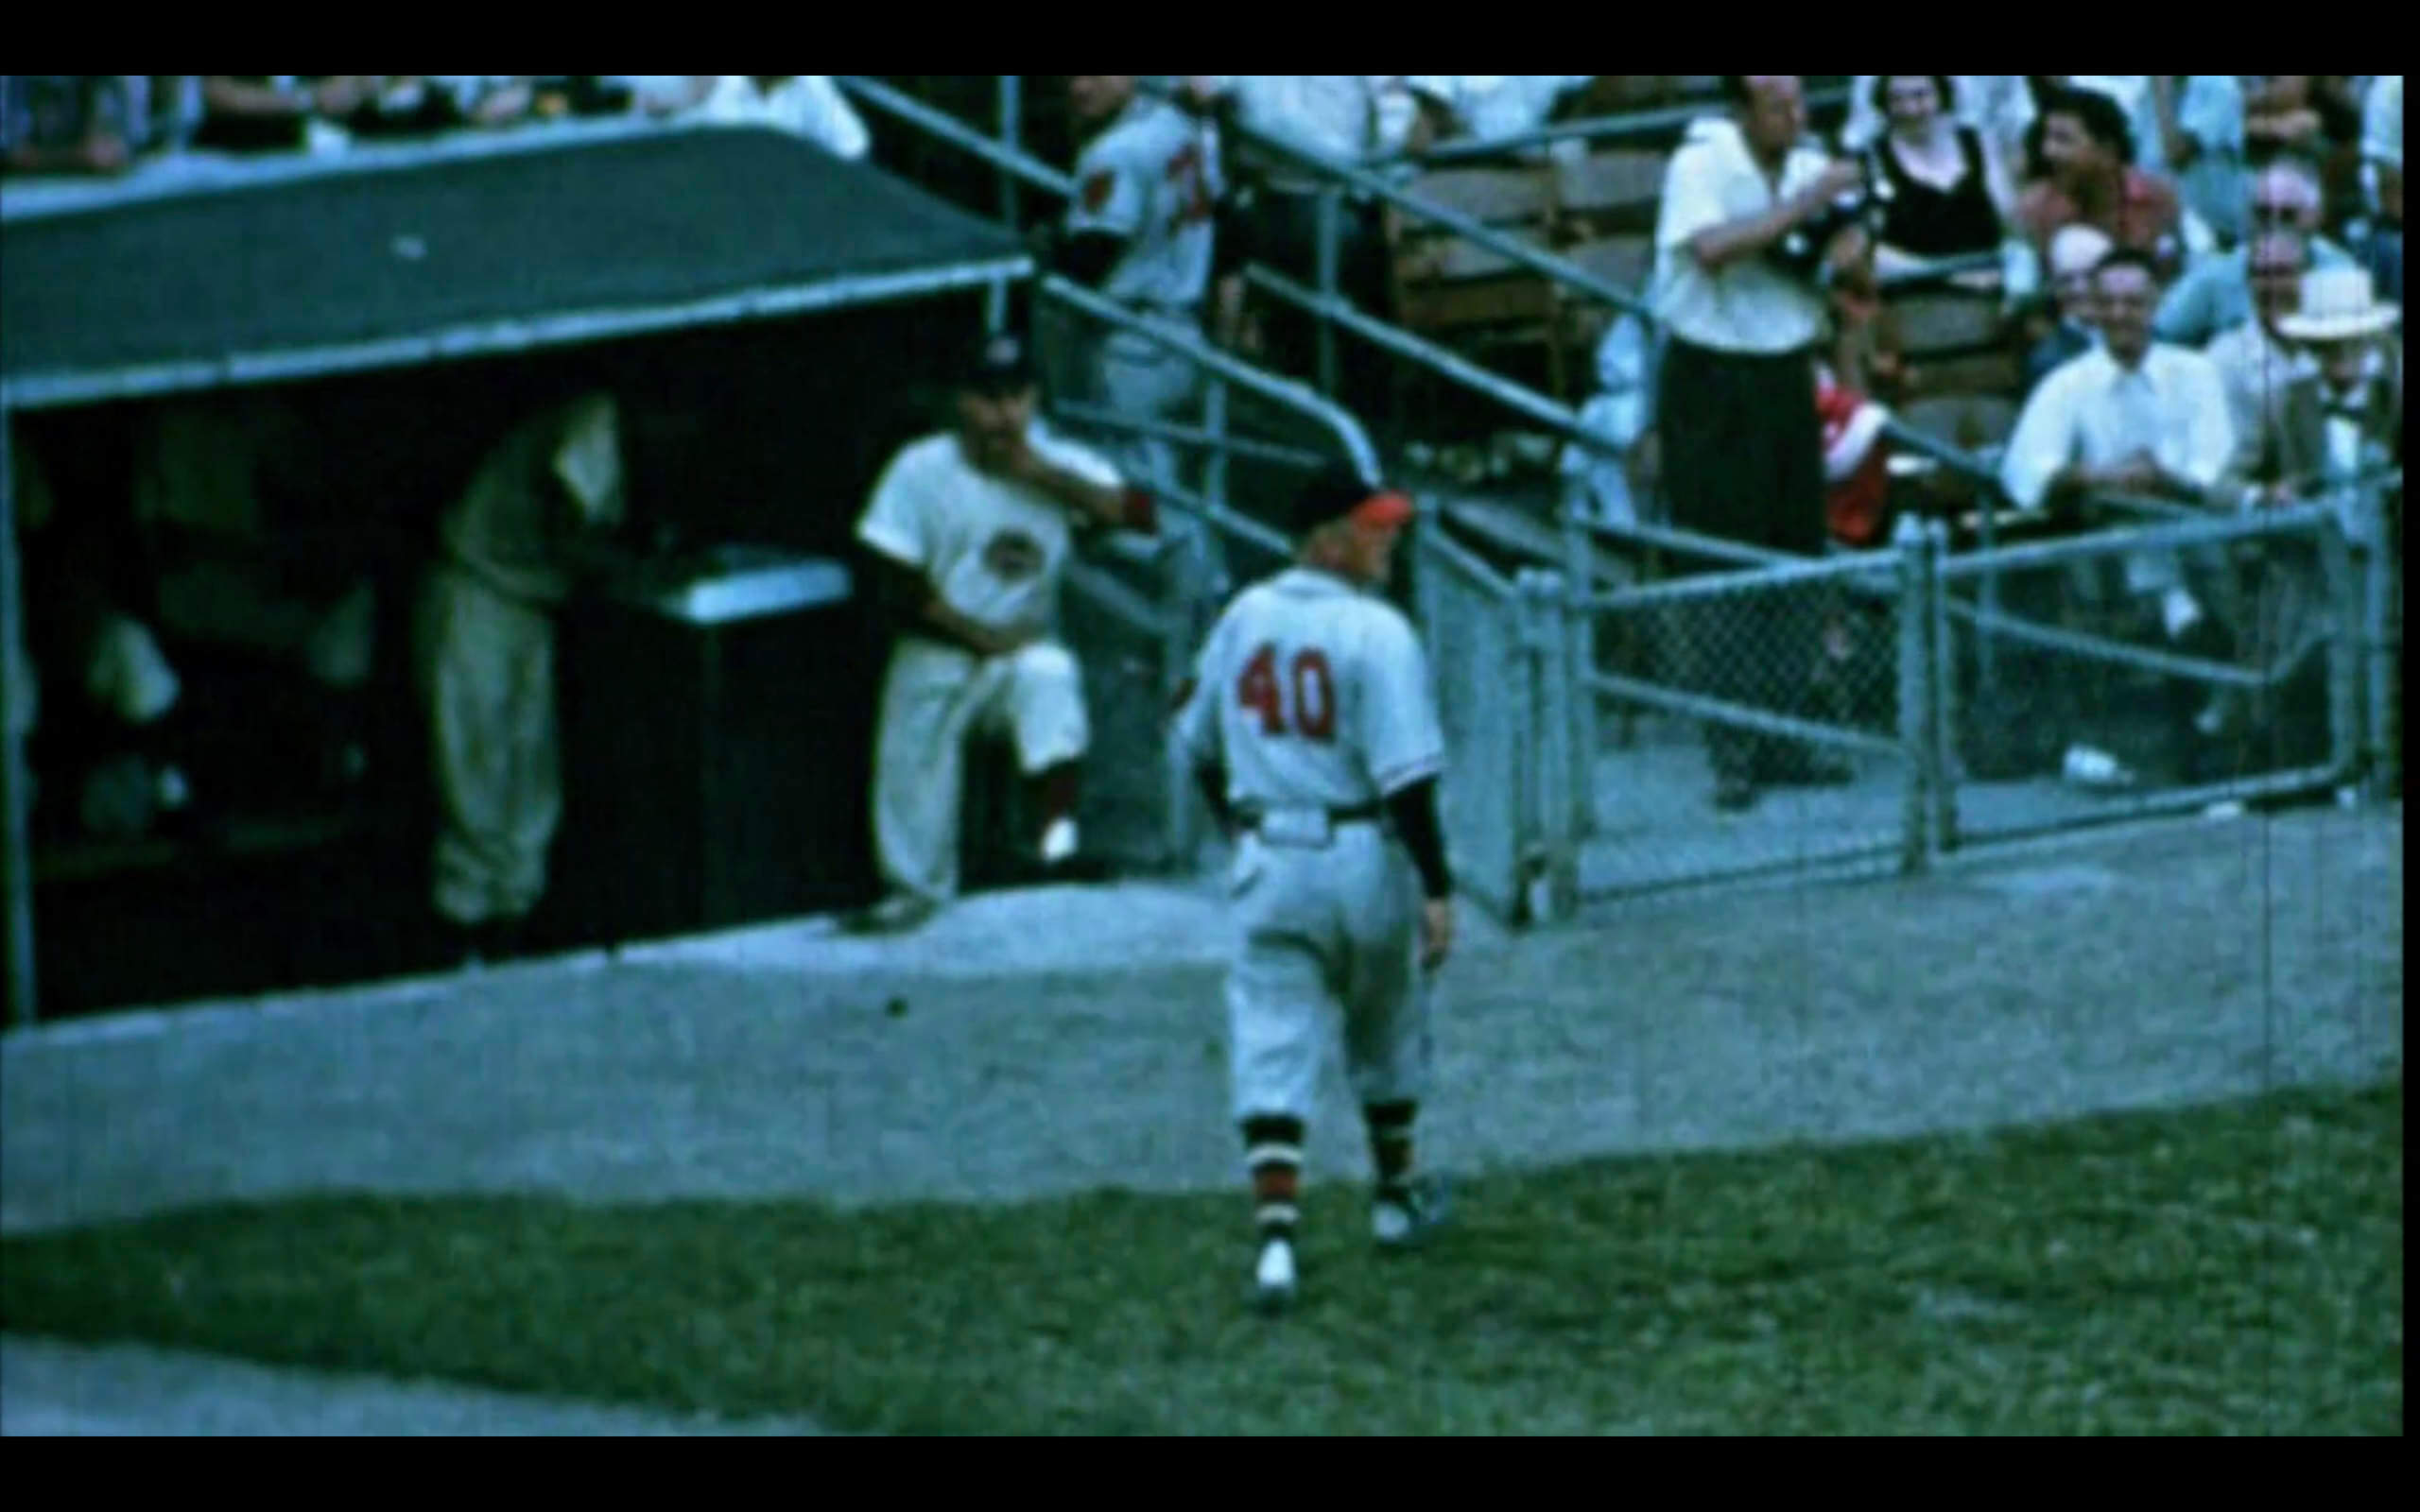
{"points": [[2133, 417]]}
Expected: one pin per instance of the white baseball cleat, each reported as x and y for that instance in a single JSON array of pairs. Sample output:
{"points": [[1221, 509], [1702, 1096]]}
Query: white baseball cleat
{"points": [[1272, 1278], [1059, 841], [1401, 1222]]}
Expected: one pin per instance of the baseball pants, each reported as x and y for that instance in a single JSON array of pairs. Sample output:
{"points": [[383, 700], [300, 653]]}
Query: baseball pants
{"points": [[1332, 931], [1138, 379], [486, 663], [934, 697]]}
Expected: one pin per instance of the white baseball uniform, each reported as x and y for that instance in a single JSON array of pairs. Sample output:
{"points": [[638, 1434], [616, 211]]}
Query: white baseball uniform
{"points": [[485, 653], [1150, 179], [1314, 698], [995, 551]]}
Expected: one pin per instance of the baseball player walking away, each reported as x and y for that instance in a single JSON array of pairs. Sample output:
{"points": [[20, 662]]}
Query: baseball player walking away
{"points": [[1311, 727], [969, 531]]}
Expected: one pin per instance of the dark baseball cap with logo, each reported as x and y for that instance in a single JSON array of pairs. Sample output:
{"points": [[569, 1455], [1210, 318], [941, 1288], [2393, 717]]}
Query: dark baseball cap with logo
{"points": [[1338, 492], [997, 364]]}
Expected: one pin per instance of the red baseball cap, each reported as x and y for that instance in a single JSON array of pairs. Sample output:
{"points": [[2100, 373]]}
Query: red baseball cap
{"points": [[1339, 493]]}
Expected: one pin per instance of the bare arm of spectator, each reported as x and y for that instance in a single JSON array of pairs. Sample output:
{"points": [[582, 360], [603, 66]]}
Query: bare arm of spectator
{"points": [[1999, 183]]}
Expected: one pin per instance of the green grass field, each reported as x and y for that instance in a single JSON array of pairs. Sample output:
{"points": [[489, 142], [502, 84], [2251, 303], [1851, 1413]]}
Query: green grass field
{"points": [[2226, 1269]]}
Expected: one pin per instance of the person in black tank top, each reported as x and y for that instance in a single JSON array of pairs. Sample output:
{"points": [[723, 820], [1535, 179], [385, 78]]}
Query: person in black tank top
{"points": [[1925, 219]]}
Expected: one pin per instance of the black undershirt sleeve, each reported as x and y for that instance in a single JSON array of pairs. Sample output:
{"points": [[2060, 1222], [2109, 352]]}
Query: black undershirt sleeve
{"points": [[1088, 257], [1414, 809]]}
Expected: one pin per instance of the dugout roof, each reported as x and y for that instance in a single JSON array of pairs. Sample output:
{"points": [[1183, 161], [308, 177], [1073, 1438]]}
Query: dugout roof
{"points": [[299, 272]]}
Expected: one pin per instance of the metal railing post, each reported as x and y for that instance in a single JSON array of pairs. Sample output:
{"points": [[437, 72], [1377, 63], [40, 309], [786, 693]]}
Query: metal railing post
{"points": [[1213, 423], [1012, 137], [2346, 739], [16, 857], [1536, 743], [1914, 546], [1942, 701], [1012, 112], [1331, 230], [1184, 808], [2381, 637], [1584, 723]]}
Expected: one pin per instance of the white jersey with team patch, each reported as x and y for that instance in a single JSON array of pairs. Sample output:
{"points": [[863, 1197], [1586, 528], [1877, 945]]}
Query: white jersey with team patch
{"points": [[992, 548], [1151, 178], [1313, 692]]}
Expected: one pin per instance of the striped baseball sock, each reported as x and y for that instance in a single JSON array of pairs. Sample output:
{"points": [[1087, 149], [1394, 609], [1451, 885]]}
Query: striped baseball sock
{"points": [[1273, 1154], [1391, 1145]]}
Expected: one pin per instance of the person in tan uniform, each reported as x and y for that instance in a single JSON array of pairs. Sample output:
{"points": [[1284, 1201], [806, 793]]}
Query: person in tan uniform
{"points": [[484, 653]]}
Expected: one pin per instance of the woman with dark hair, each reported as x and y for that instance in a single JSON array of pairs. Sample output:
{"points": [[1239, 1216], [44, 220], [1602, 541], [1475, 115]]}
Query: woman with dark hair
{"points": [[1949, 191], [2090, 178]]}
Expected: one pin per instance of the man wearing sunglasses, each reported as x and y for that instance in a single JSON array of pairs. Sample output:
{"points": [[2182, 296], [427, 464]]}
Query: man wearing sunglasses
{"points": [[2215, 295]]}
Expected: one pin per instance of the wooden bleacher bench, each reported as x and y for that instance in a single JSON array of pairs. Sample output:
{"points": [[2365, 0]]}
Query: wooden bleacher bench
{"points": [[1471, 300], [1606, 205]]}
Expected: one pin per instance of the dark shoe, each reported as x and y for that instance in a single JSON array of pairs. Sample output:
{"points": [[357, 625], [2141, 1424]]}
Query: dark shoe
{"points": [[895, 915], [1075, 870], [462, 947], [1405, 1219], [504, 939]]}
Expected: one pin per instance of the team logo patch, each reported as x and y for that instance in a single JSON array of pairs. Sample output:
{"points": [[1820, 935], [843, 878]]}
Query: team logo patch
{"points": [[1013, 556]]}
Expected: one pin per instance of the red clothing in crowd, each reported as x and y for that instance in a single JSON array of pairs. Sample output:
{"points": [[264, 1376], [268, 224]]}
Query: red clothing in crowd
{"points": [[1856, 464]]}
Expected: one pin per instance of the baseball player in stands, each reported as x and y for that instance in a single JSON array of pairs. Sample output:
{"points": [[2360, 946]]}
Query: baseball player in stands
{"points": [[1317, 742], [1140, 232], [969, 531]]}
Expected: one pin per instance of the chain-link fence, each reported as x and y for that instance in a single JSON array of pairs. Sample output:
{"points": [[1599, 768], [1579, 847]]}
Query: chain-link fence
{"points": [[1752, 720], [2155, 670], [1485, 671]]}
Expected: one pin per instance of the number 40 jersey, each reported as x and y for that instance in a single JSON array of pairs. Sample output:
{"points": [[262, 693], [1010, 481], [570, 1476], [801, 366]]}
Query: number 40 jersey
{"points": [[1312, 693]]}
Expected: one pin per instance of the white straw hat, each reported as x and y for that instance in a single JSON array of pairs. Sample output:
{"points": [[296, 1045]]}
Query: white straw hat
{"points": [[2338, 305]]}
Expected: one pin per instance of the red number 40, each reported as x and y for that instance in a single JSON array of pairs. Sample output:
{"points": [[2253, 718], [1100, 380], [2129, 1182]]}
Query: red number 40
{"points": [[1314, 693]]}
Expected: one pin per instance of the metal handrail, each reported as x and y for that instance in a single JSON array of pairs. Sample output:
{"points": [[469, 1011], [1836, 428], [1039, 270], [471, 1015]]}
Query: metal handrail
{"points": [[1369, 185], [1596, 129], [2203, 530], [1190, 436], [1446, 364], [1284, 391], [957, 133]]}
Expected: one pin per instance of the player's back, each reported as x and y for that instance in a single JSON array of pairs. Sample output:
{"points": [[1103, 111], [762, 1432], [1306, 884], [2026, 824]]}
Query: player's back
{"points": [[1308, 670]]}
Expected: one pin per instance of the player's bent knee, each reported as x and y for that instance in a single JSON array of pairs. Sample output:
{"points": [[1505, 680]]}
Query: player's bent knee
{"points": [[1046, 662]]}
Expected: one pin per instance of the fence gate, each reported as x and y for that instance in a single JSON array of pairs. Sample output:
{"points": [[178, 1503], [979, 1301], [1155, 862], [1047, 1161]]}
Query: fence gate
{"points": [[1490, 654]]}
